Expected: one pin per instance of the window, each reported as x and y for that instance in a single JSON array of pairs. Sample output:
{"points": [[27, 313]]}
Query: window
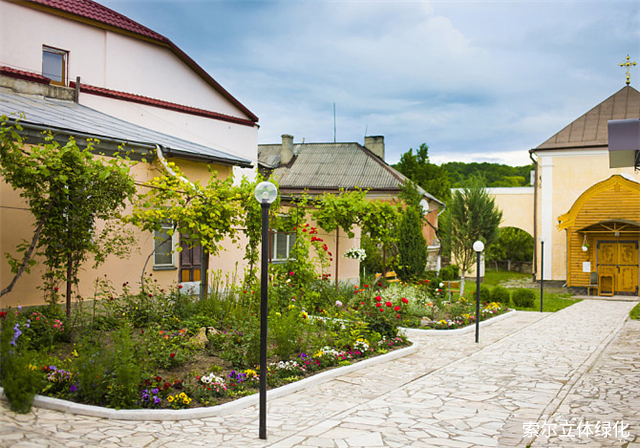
{"points": [[54, 65], [164, 255], [281, 245]]}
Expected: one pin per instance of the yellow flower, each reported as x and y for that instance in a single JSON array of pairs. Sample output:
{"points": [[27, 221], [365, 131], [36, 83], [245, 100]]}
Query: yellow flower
{"points": [[170, 398], [278, 314], [182, 395]]}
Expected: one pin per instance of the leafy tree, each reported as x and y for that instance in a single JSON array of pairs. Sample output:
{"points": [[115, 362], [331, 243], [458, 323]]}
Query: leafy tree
{"points": [[473, 216], [379, 224], [67, 189], [412, 247], [494, 174], [203, 214], [513, 244], [341, 211], [432, 178]]}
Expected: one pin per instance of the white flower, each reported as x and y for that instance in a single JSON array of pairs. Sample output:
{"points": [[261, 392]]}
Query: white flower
{"points": [[338, 303]]}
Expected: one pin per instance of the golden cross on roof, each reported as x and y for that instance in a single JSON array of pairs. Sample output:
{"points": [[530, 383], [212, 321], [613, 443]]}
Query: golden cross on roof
{"points": [[628, 64]]}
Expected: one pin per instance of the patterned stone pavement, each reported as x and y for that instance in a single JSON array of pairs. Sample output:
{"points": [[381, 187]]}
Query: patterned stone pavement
{"points": [[528, 373]]}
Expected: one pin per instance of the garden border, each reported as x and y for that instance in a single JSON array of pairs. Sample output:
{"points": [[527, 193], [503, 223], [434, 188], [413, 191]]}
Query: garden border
{"points": [[70, 407], [467, 329]]}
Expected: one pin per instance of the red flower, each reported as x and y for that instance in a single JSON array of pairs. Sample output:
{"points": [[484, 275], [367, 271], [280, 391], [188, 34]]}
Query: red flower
{"points": [[172, 355], [398, 316], [378, 304], [179, 286], [291, 273], [3, 314], [158, 379], [397, 308], [389, 304], [378, 298], [405, 300], [167, 386], [55, 289], [381, 309]]}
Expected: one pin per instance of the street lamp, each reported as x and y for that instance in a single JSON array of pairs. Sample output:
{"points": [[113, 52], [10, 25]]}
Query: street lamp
{"points": [[478, 247], [265, 194]]}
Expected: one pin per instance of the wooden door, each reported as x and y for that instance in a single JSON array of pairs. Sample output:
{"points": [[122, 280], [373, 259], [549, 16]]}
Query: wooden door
{"points": [[627, 267], [618, 267], [190, 262]]}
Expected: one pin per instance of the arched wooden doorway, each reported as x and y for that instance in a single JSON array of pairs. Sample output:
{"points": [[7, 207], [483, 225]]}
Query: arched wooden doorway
{"points": [[603, 237]]}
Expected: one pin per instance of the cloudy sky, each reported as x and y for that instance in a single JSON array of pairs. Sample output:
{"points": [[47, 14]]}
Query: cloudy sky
{"points": [[475, 80]]}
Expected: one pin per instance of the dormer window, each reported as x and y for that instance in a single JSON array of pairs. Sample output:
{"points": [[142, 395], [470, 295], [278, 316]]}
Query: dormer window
{"points": [[54, 65]]}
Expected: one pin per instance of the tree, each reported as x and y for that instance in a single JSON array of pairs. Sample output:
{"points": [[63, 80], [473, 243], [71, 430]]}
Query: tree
{"points": [[513, 244], [412, 247], [203, 214], [473, 216], [67, 189], [341, 211], [432, 178], [379, 224]]}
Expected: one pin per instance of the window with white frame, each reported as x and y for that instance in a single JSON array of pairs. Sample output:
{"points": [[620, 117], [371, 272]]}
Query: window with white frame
{"points": [[164, 255], [281, 246], [54, 65]]}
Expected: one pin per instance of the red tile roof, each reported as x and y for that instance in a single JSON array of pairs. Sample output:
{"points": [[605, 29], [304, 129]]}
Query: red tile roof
{"points": [[91, 10], [88, 11], [21, 74], [100, 91]]}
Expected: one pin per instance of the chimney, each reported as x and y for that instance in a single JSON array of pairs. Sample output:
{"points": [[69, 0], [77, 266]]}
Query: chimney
{"points": [[375, 144], [286, 153]]}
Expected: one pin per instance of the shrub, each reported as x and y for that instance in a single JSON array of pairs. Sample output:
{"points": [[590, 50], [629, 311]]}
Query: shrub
{"points": [[501, 295], [451, 272], [18, 376], [485, 293], [523, 298]]}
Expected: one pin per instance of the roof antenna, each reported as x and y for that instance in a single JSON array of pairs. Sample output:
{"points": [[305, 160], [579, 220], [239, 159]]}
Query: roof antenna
{"points": [[334, 122]]}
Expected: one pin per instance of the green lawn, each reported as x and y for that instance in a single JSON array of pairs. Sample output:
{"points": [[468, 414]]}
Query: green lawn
{"points": [[635, 312], [552, 303], [494, 278]]}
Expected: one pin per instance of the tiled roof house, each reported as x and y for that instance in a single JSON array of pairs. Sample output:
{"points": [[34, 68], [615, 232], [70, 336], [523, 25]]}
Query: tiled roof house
{"points": [[316, 168]]}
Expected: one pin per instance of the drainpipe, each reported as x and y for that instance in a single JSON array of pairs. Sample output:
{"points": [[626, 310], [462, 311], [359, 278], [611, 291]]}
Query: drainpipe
{"points": [[535, 216]]}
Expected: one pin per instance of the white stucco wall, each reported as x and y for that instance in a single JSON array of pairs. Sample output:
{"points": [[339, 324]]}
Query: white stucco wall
{"points": [[564, 176], [103, 58]]}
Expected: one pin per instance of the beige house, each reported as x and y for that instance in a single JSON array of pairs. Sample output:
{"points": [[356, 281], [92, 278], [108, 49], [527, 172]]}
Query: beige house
{"points": [[80, 69], [317, 168], [586, 213]]}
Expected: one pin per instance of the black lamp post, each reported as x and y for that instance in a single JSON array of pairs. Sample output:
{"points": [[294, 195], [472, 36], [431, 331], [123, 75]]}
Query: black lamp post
{"points": [[541, 274], [265, 194], [478, 247]]}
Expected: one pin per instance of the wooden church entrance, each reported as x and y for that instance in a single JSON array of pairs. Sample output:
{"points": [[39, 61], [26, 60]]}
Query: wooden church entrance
{"points": [[617, 266]]}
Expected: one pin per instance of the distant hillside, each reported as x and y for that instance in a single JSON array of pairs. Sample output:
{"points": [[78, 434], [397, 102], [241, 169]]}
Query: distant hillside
{"points": [[495, 174]]}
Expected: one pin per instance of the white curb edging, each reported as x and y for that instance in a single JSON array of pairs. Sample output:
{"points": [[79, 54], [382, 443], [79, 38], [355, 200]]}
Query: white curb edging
{"points": [[56, 404], [467, 329]]}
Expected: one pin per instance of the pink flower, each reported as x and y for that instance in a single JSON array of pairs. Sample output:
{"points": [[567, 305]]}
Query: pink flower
{"points": [[291, 273]]}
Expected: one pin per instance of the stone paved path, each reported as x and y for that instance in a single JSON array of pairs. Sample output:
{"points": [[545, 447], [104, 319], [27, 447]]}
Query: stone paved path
{"points": [[580, 364]]}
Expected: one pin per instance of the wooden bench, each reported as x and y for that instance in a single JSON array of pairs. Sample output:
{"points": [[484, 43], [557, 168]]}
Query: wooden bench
{"points": [[452, 286], [390, 277]]}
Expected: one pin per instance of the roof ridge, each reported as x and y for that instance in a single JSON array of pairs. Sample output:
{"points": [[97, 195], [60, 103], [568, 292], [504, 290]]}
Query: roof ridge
{"points": [[92, 12]]}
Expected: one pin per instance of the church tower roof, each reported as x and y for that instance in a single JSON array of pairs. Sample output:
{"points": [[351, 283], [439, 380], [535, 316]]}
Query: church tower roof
{"points": [[590, 130]]}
